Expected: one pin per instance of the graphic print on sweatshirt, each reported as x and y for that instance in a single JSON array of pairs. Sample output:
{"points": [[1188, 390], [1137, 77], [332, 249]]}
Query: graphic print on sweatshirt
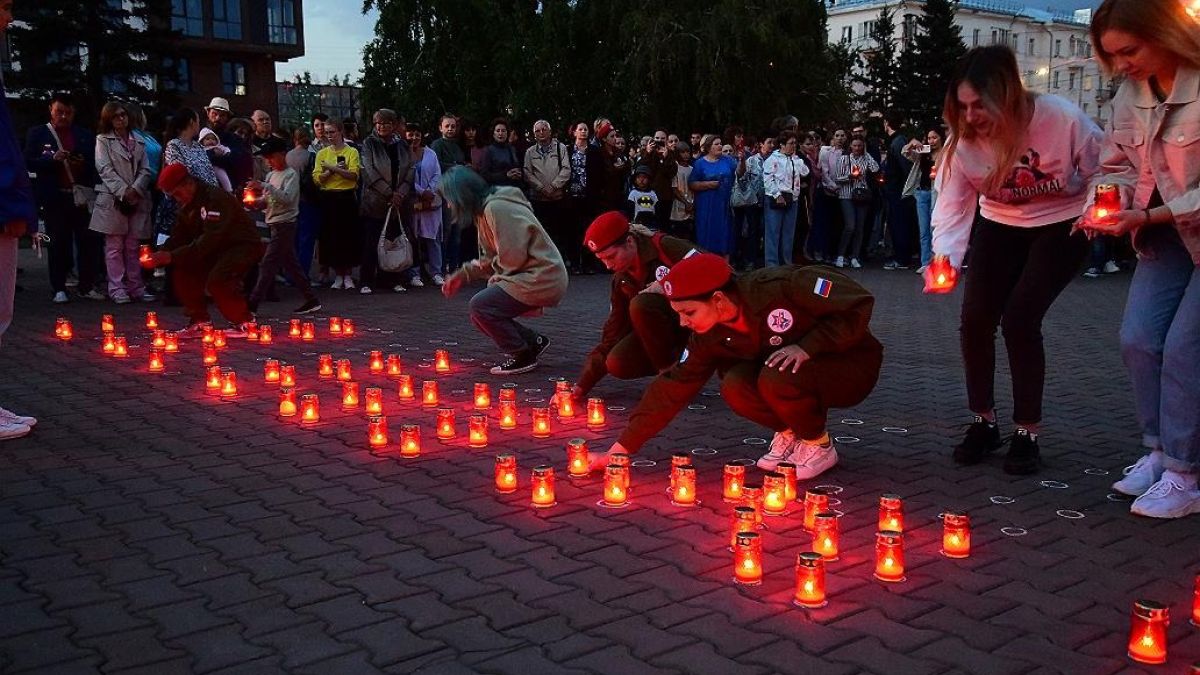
{"points": [[1029, 179]]}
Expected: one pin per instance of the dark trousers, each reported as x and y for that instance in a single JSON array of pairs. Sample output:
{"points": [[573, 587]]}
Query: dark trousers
{"points": [[748, 228], [494, 313], [555, 219], [72, 244], [281, 256], [1016, 273], [654, 345], [221, 278], [901, 216], [307, 231], [801, 401]]}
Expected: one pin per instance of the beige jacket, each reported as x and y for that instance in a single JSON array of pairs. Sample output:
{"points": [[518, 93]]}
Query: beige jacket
{"points": [[1150, 144], [515, 252], [120, 169], [548, 176]]}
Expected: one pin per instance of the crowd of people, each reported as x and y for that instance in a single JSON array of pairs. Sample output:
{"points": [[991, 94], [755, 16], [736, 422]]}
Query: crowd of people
{"points": [[1008, 178]]}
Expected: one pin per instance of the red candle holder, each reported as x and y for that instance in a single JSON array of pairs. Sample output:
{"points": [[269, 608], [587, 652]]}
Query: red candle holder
{"points": [[774, 494], [483, 396], [508, 394], [752, 496], [144, 255], [252, 332], [172, 344], [790, 489], [120, 347], [616, 487], [271, 371], [287, 402], [325, 366], [562, 388], [404, 388], [1148, 632], [335, 325], [375, 362], [108, 343], [445, 423], [441, 361], [506, 473], [597, 415], [63, 330], [349, 395], [816, 501], [743, 520], [373, 401], [347, 328], [956, 535], [1196, 603], [208, 354], [343, 370], [732, 480], [577, 458], [106, 323], [827, 536], [308, 332], [621, 459], [265, 336], [410, 440], [206, 334], [941, 277], [294, 330], [287, 375], [541, 422], [477, 436], [1106, 202], [429, 393], [855, 171], [212, 380], [508, 415], [541, 482], [566, 406], [310, 409], [220, 340], [151, 320], [158, 339], [377, 435], [684, 492], [810, 581], [889, 556], [229, 386], [747, 559], [393, 365], [891, 513], [155, 364], [678, 459]]}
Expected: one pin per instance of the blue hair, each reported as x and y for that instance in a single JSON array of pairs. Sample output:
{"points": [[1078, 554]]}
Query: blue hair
{"points": [[464, 191]]}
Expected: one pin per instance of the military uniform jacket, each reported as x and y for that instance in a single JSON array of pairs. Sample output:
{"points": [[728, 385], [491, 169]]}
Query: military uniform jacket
{"points": [[653, 263], [213, 223], [813, 307]]}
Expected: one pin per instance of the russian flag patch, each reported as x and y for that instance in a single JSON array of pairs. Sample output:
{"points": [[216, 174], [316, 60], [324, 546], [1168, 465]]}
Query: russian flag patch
{"points": [[823, 287]]}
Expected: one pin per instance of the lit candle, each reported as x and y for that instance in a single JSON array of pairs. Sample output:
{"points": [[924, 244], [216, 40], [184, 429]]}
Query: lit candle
{"points": [[172, 344], [678, 459], [508, 415], [375, 362], [541, 422], [684, 492], [734, 478], [156, 361], [347, 328], [310, 409], [271, 371], [377, 435], [616, 491], [1107, 201], [158, 339], [144, 256], [441, 361], [891, 513], [956, 535], [941, 276], [508, 394], [287, 375], [120, 347], [229, 388], [788, 471], [752, 496], [429, 393], [373, 401], [252, 332], [335, 325], [393, 365], [747, 559], [506, 473], [64, 330], [219, 340], [349, 395], [264, 335], [325, 366], [477, 431], [151, 320], [308, 332], [106, 323], [889, 556], [621, 459], [596, 414], [577, 458], [1148, 632], [483, 396], [815, 501], [1196, 602], [287, 402], [445, 423], [855, 171], [212, 380], [542, 486], [404, 388], [562, 389], [743, 520], [810, 581], [774, 494], [294, 330], [826, 536], [109, 343], [566, 405], [410, 440], [343, 370], [206, 334]]}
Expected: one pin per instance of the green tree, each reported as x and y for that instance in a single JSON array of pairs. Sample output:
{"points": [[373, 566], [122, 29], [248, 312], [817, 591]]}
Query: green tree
{"points": [[878, 68], [926, 63]]}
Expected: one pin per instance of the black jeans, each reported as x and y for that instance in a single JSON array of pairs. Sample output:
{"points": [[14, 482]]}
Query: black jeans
{"points": [[1016, 273], [72, 243], [281, 256]]}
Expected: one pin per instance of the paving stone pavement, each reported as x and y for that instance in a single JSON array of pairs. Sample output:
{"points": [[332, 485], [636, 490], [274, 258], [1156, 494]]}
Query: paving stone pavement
{"points": [[148, 528]]}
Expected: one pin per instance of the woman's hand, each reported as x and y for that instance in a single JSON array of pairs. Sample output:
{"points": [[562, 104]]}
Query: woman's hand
{"points": [[1121, 222], [453, 284], [791, 355], [131, 196]]}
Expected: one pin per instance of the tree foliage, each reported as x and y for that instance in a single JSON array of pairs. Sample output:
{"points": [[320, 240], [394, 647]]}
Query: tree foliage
{"points": [[926, 64], [878, 67]]}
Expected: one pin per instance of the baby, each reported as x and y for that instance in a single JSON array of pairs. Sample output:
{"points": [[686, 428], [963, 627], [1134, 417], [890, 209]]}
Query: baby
{"points": [[212, 145]]}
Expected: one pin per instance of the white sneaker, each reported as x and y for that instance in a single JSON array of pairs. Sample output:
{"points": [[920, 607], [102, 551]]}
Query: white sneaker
{"points": [[812, 459], [399, 288], [349, 283], [840, 261], [13, 430], [338, 284], [1170, 497], [855, 264], [10, 417], [61, 297], [921, 269], [417, 283], [438, 280], [781, 447], [365, 290], [121, 298], [1140, 476], [1111, 267]]}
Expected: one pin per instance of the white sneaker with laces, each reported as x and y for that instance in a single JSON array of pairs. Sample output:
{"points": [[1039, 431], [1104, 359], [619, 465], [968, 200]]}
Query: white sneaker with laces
{"points": [[349, 283], [781, 447], [61, 297], [855, 263], [438, 280], [399, 288], [1111, 267], [417, 283], [10, 417], [812, 459], [1173, 496], [338, 284], [13, 430], [1140, 475], [365, 290], [840, 261]]}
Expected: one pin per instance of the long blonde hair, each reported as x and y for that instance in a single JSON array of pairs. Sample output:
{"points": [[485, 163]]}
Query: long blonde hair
{"points": [[992, 72], [1165, 23]]}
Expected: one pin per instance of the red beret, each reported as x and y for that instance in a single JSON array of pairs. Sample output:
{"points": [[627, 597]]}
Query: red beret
{"points": [[170, 176], [607, 229], [603, 130], [696, 277]]}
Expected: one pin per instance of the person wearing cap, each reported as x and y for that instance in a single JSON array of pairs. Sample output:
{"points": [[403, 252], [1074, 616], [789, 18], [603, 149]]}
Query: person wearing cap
{"points": [[606, 169], [788, 344], [211, 249], [279, 194], [642, 203], [237, 162], [641, 336]]}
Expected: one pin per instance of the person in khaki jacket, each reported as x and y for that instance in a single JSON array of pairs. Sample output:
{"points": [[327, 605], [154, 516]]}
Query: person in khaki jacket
{"points": [[547, 172], [1151, 161], [123, 199], [523, 269]]}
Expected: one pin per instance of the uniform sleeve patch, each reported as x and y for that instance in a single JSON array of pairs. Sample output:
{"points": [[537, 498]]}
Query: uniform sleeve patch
{"points": [[823, 287]]}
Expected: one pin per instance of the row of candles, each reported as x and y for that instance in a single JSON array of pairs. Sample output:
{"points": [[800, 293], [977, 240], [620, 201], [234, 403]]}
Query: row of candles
{"points": [[297, 329]]}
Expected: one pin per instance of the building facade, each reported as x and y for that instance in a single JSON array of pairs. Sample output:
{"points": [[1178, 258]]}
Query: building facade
{"points": [[1053, 49], [299, 101]]}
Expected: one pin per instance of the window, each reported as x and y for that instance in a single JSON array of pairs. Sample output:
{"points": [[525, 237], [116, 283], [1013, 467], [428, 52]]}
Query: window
{"points": [[281, 21], [233, 78], [1070, 80], [187, 17], [1056, 74], [975, 38], [179, 74], [865, 30], [1029, 51], [847, 33], [227, 19], [1057, 49]]}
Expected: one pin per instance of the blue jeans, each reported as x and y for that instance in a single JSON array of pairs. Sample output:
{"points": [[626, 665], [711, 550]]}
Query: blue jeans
{"points": [[924, 223], [779, 232], [308, 226], [493, 311], [1160, 343]]}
